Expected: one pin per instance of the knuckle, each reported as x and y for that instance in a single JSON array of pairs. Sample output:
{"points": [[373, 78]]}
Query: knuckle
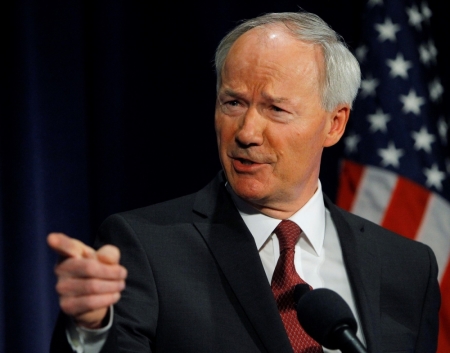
{"points": [[92, 268], [75, 306], [66, 306], [92, 286], [60, 287], [58, 270], [90, 303]]}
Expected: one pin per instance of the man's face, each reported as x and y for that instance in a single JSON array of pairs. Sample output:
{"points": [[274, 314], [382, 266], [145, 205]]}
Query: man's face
{"points": [[270, 125]]}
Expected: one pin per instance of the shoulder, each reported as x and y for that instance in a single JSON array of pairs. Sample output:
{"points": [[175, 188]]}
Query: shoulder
{"points": [[186, 209], [171, 211], [125, 228], [365, 230]]}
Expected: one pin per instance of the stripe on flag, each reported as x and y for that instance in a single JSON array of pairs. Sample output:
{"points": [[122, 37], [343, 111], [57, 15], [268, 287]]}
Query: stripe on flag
{"points": [[406, 208], [435, 230]]}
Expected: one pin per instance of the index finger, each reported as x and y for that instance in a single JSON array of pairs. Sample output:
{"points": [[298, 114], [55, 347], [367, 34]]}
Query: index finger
{"points": [[69, 247]]}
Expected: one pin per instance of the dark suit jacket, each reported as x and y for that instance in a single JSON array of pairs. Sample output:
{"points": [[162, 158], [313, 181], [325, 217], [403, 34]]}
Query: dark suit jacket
{"points": [[196, 282]]}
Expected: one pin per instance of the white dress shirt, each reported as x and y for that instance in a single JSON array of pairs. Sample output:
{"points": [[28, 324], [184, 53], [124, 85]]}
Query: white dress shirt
{"points": [[318, 259], [318, 256]]}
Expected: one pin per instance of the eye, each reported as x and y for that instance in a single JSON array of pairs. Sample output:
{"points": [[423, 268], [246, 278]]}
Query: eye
{"points": [[279, 114], [232, 107], [234, 103], [277, 109]]}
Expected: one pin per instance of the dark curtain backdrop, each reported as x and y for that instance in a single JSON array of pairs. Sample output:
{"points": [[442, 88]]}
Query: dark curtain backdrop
{"points": [[107, 106]]}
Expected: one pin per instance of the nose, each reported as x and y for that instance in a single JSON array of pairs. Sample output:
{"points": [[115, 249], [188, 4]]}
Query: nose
{"points": [[251, 129]]}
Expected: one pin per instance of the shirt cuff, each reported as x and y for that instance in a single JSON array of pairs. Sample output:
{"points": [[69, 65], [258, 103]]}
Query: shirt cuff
{"points": [[84, 340]]}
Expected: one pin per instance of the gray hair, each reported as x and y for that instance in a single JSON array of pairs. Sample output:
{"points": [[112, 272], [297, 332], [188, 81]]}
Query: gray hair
{"points": [[342, 72]]}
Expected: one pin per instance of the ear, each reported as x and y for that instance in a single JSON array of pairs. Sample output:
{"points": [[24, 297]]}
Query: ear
{"points": [[338, 122]]}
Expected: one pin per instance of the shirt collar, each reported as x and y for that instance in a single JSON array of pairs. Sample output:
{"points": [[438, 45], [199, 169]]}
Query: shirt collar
{"points": [[310, 218]]}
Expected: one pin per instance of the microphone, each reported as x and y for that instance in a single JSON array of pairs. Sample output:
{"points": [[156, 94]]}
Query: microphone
{"points": [[328, 319], [299, 291]]}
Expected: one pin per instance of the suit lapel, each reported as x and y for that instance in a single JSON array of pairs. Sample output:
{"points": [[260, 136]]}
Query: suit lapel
{"points": [[363, 269], [235, 251]]}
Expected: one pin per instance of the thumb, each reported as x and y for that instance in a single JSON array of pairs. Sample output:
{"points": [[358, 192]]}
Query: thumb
{"points": [[108, 254]]}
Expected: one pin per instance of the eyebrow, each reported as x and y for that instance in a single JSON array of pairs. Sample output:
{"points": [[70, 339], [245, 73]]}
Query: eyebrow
{"points": [[231, 93], [275, 99], [265, 95]]}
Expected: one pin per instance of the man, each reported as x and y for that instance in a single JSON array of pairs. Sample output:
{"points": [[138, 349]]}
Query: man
{"points": [[200, 267]]}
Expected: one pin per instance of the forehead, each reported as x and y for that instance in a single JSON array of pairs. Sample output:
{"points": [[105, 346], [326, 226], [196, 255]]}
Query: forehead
{"points": [[273, 51]]}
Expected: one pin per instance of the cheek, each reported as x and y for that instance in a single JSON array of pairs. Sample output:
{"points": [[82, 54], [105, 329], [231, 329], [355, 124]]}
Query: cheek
{"points": [[301, 148], [313, 135], [218, 122], [224, 131]]}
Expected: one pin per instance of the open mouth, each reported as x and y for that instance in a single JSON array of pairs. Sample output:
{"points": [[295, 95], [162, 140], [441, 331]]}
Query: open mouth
{"points": [[245, 161]]}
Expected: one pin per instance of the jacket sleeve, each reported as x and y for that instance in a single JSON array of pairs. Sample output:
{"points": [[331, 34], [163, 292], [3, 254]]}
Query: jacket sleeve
{"points": [[136, 313]]}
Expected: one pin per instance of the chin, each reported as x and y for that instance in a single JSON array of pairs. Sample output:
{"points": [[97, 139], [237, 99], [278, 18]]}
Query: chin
{"points": [[249, 190]]}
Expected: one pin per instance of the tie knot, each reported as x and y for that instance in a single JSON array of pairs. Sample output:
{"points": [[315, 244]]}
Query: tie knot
{"points": [[288, 234]]}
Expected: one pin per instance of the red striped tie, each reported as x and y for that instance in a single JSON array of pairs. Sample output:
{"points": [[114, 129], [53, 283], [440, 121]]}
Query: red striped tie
{"points": [[284, 280]]}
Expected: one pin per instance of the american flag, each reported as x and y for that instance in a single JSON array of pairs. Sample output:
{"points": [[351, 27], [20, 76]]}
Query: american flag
{"points": [[396, 170]]}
